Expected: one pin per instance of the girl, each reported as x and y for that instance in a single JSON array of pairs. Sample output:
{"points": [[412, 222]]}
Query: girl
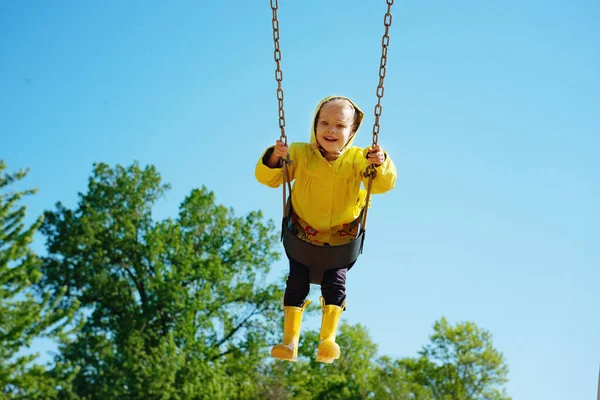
{"points": [[328, 200]]}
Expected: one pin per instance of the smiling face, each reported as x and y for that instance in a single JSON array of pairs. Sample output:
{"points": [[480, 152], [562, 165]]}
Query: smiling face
{"points": [[335, 126]]}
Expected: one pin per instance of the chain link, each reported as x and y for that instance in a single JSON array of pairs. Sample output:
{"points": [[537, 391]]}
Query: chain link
{"points": [[278, 71]]}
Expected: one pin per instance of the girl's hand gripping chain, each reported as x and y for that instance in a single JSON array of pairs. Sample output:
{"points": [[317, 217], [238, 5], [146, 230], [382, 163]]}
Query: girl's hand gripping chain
{"points": [[375, 155], [280, 151]]}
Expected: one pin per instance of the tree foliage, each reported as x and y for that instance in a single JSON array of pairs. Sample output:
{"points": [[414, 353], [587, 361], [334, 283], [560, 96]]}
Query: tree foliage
{"points": [[173, 309], [461, 363], [180, 308], [458, 364], [24, 316]]}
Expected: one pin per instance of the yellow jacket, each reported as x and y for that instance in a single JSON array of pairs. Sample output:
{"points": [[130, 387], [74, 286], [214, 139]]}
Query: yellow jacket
{"points": [[327, 195]]}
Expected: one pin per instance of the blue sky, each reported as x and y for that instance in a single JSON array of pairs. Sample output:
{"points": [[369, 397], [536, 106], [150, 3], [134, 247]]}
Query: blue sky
{"points": [[491, 114]]}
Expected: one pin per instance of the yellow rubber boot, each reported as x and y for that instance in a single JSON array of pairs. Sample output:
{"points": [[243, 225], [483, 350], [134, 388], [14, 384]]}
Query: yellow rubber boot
{"points": [[328, 349], [292, 320]]}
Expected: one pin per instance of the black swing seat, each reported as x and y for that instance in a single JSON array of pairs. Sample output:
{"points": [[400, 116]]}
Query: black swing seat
{"points": [[319, 259]]}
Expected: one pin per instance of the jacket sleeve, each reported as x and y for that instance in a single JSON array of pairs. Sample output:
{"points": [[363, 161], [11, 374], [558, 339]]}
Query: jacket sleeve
{"points": [[273, 177], [386, 176]]}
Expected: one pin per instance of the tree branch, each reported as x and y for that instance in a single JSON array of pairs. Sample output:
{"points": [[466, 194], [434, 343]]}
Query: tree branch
{"points": [[140, 287], [224, 353], [237, 328]]}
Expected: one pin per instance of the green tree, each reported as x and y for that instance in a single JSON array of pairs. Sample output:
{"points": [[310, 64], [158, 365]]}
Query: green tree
{"points": [[394, 379], [171, 309], [460, 363], [24, 316], [349, 377]]}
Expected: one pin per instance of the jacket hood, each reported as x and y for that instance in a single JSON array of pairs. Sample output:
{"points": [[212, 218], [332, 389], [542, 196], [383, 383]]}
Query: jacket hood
{"points": [[313, 134]]}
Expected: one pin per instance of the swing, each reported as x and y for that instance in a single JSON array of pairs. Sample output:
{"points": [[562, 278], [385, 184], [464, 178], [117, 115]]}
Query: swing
{"points": [[319, 259]]}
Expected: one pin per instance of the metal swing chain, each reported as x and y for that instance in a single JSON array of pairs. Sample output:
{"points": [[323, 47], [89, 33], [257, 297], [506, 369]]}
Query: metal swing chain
{"points": [[279, 78], [385, 41], [371, 172], [278, 71]]}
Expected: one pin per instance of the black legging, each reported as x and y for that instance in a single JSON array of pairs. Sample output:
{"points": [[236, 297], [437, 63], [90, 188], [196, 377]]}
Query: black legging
{"points": [[333, 287]]}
